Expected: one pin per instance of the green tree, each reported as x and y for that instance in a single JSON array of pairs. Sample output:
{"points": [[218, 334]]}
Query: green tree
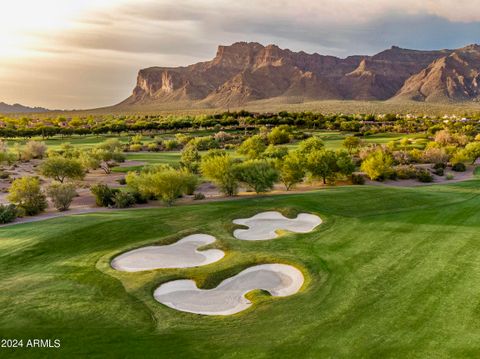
{"points": [[275, 152], [351, 143], [309, 145], [257, 174], [62, 195], [322, 164], [220, 169], [377, 165], [59, 168], [292, 170], [27, 194], [252, 147], [345, 165], [472, 151]]}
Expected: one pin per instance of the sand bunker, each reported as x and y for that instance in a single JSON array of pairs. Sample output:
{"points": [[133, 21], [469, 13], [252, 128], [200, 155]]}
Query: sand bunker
{"points": [[181, 254], [264, 225], [229, 296]]}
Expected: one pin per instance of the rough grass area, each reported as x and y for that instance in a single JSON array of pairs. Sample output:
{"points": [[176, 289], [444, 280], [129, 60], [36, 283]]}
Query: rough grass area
{"points": [[392, 272]]}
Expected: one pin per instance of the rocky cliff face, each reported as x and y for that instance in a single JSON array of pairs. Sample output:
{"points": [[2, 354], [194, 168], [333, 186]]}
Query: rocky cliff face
{"points": [[245, 72]]}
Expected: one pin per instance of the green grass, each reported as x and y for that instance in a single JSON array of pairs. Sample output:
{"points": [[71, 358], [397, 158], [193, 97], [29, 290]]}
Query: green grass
{"points": [[392, 272]]}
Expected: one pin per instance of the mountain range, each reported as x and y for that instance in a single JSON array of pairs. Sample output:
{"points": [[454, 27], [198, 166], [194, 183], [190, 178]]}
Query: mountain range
{"points": [[245, 72], [17, 108]]}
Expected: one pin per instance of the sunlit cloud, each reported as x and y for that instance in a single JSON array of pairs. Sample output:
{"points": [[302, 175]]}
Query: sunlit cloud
{"points": [[85, 53]]}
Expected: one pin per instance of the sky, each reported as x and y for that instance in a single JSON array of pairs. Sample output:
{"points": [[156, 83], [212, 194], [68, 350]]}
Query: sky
{"points": [[80, 54]]}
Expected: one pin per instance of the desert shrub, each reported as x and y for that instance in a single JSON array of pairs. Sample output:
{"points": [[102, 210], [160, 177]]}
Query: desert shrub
{"points": [[459, 167], [198, 196], [190, 181], [104, 195], [439, 171], [26, 193], [4, 175], [152, 147], [449, 176], [190, 158], [257, 174], [253, 147], [377, 165], [34, 149], [204, 143], [136, 147], [123, 199], [405, 171], [166, 183], [220, 169], [424, 175], [8, 213], [291, 170], [435, 155], [439, 165], [59, 168], [122, 181], [171, 145], [358, 179], [351, 143], [279, 135], [62, 195], [222, 136]]}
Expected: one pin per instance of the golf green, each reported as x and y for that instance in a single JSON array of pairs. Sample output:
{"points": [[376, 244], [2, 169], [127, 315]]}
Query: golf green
{"points": [[391, 272]]}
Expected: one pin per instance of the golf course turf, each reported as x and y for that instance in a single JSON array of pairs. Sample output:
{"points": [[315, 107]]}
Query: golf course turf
{"points": [[391, 272]]}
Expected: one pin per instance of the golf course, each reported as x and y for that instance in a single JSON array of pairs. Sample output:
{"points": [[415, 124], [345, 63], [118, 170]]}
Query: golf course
{"points": [[390, 272]]}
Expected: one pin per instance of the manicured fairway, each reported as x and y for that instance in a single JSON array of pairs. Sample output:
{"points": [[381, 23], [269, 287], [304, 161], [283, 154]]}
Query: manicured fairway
{"points": [[392, 272]]}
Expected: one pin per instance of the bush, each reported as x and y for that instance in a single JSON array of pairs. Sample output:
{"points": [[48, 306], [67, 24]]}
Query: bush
{"points": [[439, 171], [439, 165], [61, 195], [198, 196], [424, 176], [123, 199], [450, 176], [136, 147], [152, 147], [171, 145], [377, 165], [26, 193], [358, 179], [104, 195], [405, 171], [459, 167], [220, 168], [8, 213], [257, 174], [34, 149]]}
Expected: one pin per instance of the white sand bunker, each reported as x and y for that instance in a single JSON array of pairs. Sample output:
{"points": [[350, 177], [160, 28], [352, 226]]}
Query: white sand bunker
{"points": [[229, 296], [181, 254], [264, 225]]}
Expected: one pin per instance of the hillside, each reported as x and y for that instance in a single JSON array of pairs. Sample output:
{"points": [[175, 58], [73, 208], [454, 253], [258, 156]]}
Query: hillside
{"points": [[17, 108], [247, 72]]}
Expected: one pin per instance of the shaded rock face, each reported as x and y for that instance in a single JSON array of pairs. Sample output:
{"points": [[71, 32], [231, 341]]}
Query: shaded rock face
{"points": [[244, 72]]}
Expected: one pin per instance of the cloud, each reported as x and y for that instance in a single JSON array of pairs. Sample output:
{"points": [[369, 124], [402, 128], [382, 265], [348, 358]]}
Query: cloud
{"points": [[95, 54]]}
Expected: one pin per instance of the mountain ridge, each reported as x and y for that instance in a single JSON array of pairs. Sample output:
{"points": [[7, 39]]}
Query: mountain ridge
{"points": [[18, 108], [249, 71]]}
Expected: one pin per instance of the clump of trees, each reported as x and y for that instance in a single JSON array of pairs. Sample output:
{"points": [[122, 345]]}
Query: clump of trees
{"points": [[163, 182]]}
